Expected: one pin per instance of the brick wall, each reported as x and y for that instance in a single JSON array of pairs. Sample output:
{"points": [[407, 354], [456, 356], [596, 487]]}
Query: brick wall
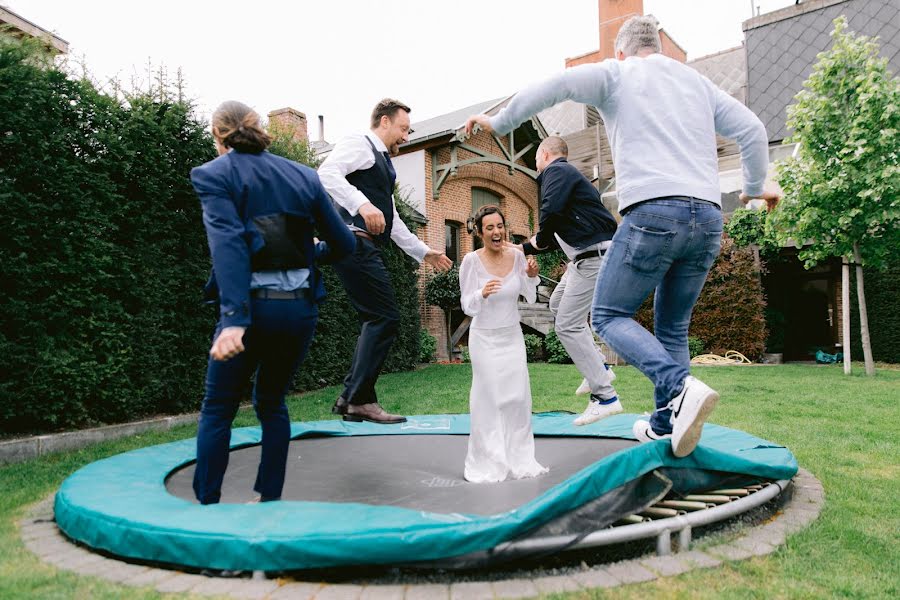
{"points": [[518, 197]]}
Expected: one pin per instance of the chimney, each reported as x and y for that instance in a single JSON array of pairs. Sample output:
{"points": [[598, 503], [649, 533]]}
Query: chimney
{"points": [[321, 129], [612, 14], [290, 120]]}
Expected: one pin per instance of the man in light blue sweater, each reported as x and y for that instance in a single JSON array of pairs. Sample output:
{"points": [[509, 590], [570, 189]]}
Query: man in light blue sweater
{"points": [[662, 118]]}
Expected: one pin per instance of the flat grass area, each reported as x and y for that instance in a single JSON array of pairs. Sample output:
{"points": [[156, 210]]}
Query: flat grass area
{"points": [[845, 430]]}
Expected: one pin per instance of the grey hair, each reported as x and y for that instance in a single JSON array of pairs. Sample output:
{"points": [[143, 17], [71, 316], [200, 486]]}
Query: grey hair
{"points": [[638, 33], [555, 145]]}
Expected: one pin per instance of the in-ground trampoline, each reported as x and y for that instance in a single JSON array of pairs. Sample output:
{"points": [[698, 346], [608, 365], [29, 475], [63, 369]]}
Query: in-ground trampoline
{"points": [[358, 493]]}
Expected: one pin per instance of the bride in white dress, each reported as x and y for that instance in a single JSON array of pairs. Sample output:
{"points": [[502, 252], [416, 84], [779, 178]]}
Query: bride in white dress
{"points": [[501, 443]]}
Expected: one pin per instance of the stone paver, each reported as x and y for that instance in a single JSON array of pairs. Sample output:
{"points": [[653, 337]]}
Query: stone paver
{"points": [[471, 590], [296, 591], [515, 588], [598, 577], [339, 592], [667, 565], [183, 582], [431, 591], [41, 536], [630, 572], [555, 584]]}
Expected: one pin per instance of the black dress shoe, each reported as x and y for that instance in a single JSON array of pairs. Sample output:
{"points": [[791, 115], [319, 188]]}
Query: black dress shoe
{"points": [[340, 406]]}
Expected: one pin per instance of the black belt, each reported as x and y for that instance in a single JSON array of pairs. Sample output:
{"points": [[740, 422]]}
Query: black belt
{"points": [[266, 294], [589, 254]]}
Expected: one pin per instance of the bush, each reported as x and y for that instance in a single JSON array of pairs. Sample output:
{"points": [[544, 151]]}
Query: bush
{"points": [[533, 347], [556, 353], [729, 315], [104, 251], [882, 291], [427, 346], [552, 264], [695, 346]]}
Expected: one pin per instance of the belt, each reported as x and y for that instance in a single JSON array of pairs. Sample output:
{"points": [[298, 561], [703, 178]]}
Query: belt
{"points": [[590, 254], [363, 234], [267, 294]]}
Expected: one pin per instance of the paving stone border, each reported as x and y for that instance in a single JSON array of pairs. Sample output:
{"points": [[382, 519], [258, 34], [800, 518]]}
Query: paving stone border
{"points": [[41, 536]]}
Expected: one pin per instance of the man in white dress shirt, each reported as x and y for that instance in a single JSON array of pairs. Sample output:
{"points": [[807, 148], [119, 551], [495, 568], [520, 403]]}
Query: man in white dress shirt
{"points": [[359, 176]]}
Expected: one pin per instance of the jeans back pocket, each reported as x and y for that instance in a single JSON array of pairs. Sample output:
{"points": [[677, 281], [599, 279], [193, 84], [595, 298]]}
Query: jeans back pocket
{"points": [[647, 248]]}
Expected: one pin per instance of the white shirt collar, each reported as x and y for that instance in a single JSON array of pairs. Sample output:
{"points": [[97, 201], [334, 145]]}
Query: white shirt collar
{"points": [[379, 145]]}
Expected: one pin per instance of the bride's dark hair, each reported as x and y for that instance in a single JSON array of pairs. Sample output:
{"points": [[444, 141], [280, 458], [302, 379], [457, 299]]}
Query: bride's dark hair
{"points": [[484, 211]]}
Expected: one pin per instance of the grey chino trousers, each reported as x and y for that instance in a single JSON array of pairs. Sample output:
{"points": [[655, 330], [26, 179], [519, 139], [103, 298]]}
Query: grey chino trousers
{"points": [[570, 304]]}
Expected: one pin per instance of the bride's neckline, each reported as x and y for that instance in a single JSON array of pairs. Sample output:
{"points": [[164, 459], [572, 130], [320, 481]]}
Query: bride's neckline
{"points": [[484, 266]]}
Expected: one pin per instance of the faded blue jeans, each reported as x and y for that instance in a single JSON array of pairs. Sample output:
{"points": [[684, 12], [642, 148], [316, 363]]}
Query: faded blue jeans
{"points": [[667, 245]]}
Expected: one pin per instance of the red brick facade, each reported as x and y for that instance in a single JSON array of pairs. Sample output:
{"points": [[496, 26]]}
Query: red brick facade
{"points": [[518, 200]]}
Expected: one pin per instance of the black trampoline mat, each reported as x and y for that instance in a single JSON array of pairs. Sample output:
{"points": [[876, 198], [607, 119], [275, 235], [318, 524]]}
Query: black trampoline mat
{"points": [[421, 472]]}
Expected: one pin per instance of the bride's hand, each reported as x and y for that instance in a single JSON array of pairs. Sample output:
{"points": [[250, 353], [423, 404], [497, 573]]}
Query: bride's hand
{"points": [[532, 269], [491, 287]]}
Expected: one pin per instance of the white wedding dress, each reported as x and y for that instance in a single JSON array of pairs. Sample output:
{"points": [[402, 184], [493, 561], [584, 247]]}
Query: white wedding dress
{"points": [[501, 443]]}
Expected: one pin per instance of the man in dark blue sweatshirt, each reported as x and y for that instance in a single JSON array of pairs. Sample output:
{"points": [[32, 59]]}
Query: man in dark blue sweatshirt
{"points": [[574, 220]]}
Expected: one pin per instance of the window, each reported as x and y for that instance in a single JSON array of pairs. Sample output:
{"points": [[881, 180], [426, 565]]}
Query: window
{"points": [[451, 240], [482, 197]]}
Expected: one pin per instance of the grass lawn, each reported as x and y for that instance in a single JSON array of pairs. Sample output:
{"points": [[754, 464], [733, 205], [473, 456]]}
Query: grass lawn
{"points": [[845, 430]]}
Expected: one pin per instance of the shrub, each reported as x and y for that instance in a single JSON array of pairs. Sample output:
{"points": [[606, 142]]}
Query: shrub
{"points": [[552, 264], [729, 315], [556, 353], [533, 347], [695, 346], [442, 290], [427, 346]]}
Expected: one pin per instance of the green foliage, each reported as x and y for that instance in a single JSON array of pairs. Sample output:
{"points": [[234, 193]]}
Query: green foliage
{"points": [[842, 187], [729, 313], [104, 251], [284, 144], [442, 289], [466, 357], [533, 347], [695, 346], [552, 264], [554, 349], [427, 346], [882, 291], [750, 227]]}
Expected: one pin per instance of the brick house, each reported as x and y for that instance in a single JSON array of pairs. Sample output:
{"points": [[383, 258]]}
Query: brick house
{"points": [[18, 26]]}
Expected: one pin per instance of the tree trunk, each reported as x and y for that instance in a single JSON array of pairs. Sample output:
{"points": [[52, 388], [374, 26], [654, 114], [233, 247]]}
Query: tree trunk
{"points": [[845, 313], [449, 315], [863, 317]]}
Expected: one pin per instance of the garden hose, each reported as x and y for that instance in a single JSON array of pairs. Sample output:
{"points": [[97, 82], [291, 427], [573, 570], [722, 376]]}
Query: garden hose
{"points": [[732, 357]]}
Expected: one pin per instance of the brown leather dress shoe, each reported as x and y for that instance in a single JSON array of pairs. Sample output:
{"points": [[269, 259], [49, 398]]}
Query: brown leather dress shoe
{"points": [[371, 412], [340, 406]]}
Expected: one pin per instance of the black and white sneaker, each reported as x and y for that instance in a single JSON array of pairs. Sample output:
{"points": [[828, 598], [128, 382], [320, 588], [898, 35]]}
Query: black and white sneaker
{"points": [[690, 410], [644, 433]]}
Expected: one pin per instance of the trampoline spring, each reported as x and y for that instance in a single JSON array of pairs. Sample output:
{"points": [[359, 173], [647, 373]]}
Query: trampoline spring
{"points": [[738, 492], [755, 488], [631, 520], [654, 512], [683, 504], [708, 498]]}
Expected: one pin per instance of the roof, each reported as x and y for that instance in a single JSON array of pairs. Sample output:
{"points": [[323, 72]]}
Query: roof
{"points": [[448, 123], [20, 23], [727, 69], [564, 118], [782, 48]]}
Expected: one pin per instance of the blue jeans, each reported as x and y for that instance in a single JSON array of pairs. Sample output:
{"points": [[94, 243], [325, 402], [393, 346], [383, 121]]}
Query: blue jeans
{"points": [[667, 245], [274, 346]]}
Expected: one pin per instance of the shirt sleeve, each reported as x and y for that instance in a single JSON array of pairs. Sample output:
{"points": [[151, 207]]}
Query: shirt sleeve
{"points": [[338, 240], [405, 239], [470, 290], [588, 84], [735, 121], [528, 284], [350, 154], [227, 245]]}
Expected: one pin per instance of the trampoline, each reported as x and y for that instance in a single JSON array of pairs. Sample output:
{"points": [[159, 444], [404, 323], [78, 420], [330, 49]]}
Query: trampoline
{"points": [[365, 494]]}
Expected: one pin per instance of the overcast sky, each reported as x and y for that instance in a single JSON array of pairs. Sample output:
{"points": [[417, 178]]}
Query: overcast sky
{"points": [[339, 57]]}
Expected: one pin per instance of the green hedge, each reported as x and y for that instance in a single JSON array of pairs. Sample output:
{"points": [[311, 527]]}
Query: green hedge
{"points": [[103, 251], [882, 292]]}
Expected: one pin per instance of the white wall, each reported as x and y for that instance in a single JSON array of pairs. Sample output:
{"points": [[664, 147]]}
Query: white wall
{"points": [[411, 178]]}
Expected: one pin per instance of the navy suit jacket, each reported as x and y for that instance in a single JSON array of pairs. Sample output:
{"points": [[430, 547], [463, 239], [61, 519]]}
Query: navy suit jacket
{"points": [[571, 207], [237, 187]]}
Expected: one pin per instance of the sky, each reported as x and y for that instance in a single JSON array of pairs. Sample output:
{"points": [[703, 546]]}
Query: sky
{"points": [[337, 58]]}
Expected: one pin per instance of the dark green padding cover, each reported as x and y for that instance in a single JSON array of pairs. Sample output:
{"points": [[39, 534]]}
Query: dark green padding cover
{"points": [[121, 504]]}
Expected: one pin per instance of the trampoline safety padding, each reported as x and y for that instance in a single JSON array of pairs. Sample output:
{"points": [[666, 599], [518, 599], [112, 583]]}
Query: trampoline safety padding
{"points": [[359, 493]]}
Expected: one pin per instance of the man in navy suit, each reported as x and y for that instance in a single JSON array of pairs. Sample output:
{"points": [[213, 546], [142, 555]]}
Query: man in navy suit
{"points": [[573, 219]]}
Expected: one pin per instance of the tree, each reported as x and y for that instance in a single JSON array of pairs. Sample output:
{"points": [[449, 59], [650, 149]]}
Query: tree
{"points": [[442, 290], [841, 187]]}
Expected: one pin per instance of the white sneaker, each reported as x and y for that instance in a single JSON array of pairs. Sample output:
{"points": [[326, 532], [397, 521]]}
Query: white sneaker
{"points": [[585, 387], [644, 433], [690, 409], [596, 411]]}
